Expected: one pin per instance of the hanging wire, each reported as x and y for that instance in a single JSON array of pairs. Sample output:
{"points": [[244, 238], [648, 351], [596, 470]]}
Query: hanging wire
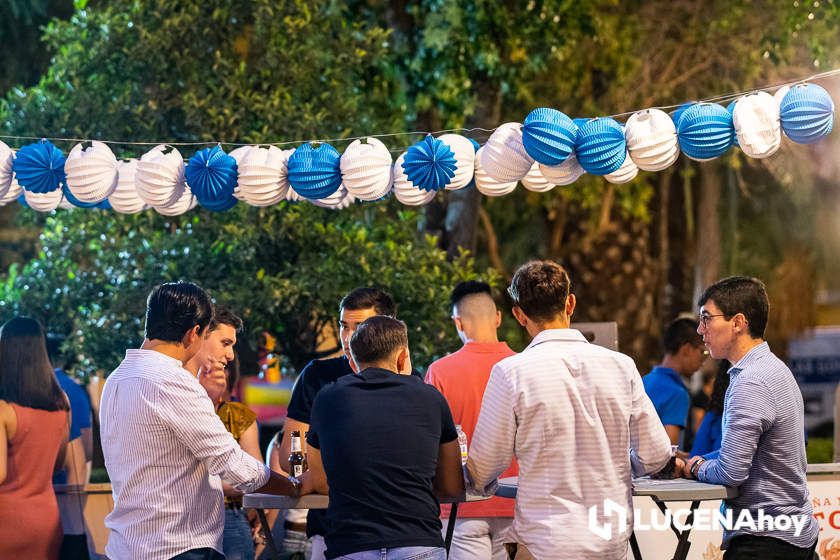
{"points": [[718, 98]]}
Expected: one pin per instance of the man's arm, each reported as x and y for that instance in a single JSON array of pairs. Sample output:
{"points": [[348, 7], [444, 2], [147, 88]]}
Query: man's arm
{"points": [[449, 477], [493, 440], [673, 433], [750, 411], [650, 446], [314, 479], [285, 447]]}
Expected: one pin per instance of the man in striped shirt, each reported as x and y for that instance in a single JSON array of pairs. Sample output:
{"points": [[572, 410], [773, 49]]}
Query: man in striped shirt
{"points": [[165, 448], [578, 420], [763, 448]]}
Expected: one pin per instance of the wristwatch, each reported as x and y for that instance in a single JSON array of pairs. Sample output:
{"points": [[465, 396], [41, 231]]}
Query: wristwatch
{"points": [[696, 466]]}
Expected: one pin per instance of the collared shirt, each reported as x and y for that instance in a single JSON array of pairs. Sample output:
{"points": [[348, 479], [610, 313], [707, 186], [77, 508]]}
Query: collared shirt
{"points": [[165, 450], [580, 424], [669, 395], [763, 447]]}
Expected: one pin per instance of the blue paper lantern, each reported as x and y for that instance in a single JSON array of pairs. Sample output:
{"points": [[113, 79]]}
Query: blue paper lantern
{"points": [[430, 164], [211, 175], [315, 172], [731, 110], [705, 131], [678, 112], [807, 113], [220, 206], [475, 144], [601, 147], [549, 136], [39, 167]]}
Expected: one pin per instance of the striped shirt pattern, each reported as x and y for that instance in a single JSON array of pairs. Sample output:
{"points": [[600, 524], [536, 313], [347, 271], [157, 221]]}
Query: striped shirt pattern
{"points": [[579, 422], [165, 450], [763, 447]]}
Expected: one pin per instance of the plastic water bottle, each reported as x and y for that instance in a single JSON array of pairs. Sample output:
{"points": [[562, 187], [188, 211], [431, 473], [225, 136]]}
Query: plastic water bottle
{"points": [[462, 442]]}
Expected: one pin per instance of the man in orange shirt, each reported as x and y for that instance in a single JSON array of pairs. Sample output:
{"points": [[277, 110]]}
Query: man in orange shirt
{"points": [[461, 377]]}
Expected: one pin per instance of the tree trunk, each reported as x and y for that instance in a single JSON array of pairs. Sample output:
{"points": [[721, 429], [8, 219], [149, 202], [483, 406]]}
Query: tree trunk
{"points": [[707, 266]]}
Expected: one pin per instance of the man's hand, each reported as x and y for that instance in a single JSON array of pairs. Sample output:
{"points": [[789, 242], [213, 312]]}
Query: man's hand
{"points": [[679, 469], [688, 466]]}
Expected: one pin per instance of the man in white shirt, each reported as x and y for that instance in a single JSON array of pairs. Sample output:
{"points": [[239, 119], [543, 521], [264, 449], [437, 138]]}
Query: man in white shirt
{"points": [[165, 448], [578, 420]]}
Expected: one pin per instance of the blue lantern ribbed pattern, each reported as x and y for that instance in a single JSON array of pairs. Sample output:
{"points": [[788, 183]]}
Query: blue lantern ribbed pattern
{"points": [[430, 164], [315, 172], [705, 131], [549, 136], [220, 206], [39, 167], [731, 110], [211, 175], [807, 113], [600, 147], [678, 113]]}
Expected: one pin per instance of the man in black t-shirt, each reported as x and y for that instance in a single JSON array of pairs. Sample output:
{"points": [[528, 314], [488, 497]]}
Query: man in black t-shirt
{"points": [[356, 306], [383, 445]]}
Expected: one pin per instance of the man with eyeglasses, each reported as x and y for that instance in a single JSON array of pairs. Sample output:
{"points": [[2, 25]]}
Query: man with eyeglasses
{"points": [[762, 451], [684, 354]]}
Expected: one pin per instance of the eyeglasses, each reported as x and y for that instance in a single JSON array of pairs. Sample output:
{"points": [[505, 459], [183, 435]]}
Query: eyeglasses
{"points": [[704, 318]]}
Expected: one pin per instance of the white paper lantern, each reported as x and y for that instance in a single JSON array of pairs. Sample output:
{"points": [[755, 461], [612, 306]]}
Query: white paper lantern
{"points": [[366, 169], [652, 139], [406, 191], [185, 203], [487, 185], [535, 180], [564, 174], [624, 174], [7, 156], [91, 172], [757, 124], [43, 202], [12, 192], [464, 151], [338, 200], [503, 157], [293, 196], [125, 198], [263, 175], [160, 177], [65, 204], [780, 94]]}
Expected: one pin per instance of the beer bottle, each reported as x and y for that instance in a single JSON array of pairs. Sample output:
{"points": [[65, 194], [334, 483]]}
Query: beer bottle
{"points": [[297, 462]]}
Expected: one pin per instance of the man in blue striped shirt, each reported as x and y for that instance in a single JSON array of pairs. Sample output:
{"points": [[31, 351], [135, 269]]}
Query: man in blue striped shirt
{"points": [[763, 448]]}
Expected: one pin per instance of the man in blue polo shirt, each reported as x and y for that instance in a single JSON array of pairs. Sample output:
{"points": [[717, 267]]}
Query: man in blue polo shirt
{"points": [[664, 385], [383, 444]]}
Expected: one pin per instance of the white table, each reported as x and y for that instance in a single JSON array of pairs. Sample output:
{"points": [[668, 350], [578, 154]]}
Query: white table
{"points": [[262, 502], [661, 492]]}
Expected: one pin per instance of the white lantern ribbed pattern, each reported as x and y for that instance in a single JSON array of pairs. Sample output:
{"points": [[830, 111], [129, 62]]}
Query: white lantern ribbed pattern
{"points": [[406, 191], [7, 156], [624, 174], [366, 169], [125, 198], [757, 124], [11, 193], [503, 157], [91, 172], [535, 180], [160, 177], [487, 185], [263, 174], [564, 174], [43, 202], [652, 139], [338, 200], [464, 151], [185, 203]]}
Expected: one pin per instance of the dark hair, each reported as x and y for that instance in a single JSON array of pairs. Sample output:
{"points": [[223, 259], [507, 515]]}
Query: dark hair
{"points": [[224, 316], [540, 289], [58, 359], [367, 298], [174, 308], [26, 376], [678, 332], [720, 386], [468, 288], [232, 372], [740, 294], [377, 338]]}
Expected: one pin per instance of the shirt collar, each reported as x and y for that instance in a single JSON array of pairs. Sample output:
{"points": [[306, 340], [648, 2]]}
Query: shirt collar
{"points": [[561, 335], [757, 352], [143, 354], [374, 373], [485, 347]]}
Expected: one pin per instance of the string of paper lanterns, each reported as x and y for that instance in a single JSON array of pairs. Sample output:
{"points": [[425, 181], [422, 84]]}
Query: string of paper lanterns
{"points": [[546, 150]]}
